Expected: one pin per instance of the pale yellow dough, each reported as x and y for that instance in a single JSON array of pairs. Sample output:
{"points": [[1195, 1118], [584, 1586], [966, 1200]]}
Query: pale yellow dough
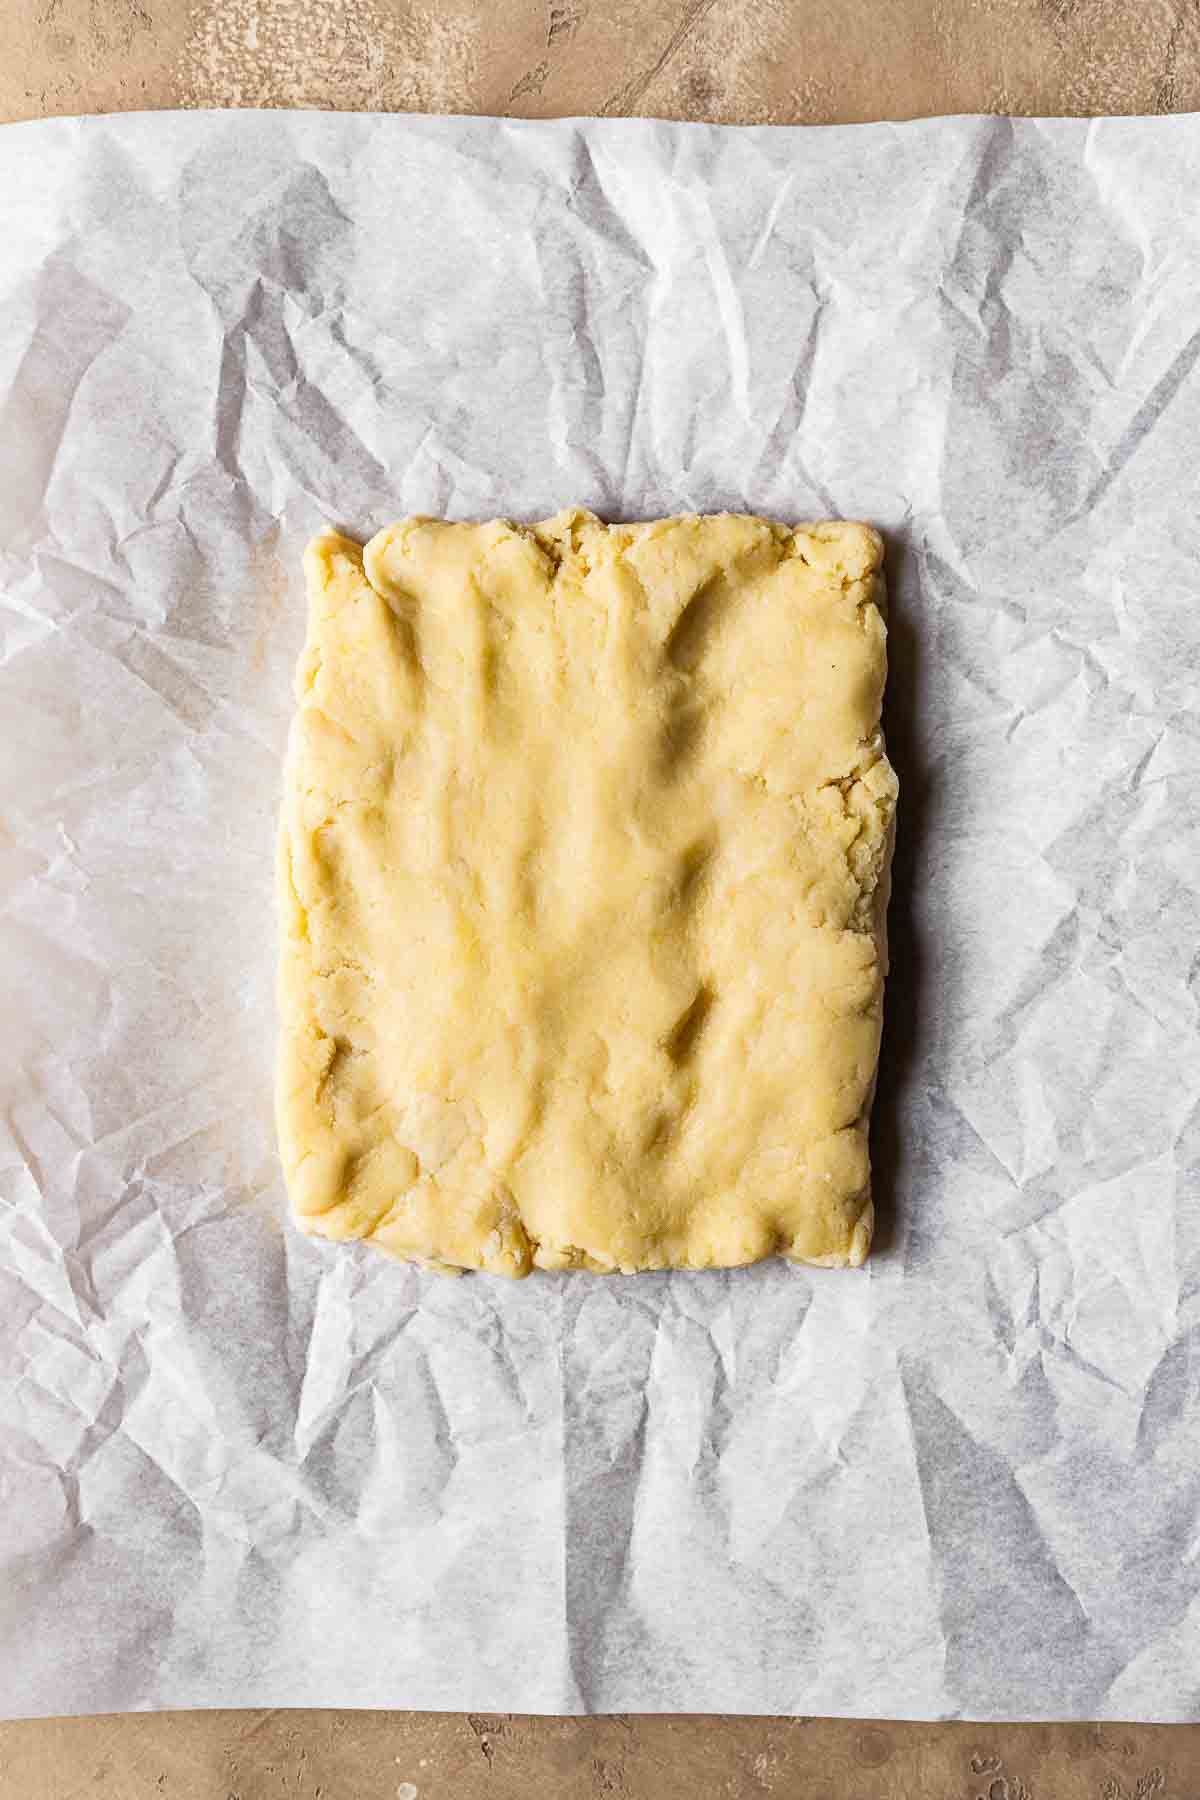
{"points": [[583, 871]]}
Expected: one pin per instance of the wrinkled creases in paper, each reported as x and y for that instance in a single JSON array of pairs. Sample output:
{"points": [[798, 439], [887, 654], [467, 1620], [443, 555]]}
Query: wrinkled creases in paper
{"points": [[241, 1468]]}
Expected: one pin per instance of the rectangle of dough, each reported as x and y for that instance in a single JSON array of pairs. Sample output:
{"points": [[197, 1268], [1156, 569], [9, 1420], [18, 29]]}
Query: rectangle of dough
{"points": [[583, 872]]}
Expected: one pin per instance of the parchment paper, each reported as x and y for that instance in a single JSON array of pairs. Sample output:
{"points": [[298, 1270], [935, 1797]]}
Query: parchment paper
{"points": [[239, 1468]]}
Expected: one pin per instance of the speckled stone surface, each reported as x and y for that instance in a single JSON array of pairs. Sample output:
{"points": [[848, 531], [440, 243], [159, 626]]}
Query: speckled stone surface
{"points": [[736, 61], [445, 1756], [780, 61]]}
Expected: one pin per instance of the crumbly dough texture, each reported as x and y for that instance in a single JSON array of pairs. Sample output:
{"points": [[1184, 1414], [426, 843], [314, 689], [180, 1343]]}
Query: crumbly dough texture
{"points": [[583, 871]]}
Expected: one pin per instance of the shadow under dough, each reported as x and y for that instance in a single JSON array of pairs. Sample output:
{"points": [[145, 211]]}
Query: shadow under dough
{"points": [[903, 726]]}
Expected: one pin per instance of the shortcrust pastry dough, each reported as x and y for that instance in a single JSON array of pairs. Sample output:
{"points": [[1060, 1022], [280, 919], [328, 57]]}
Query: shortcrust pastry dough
{"points": [[583, 871]]}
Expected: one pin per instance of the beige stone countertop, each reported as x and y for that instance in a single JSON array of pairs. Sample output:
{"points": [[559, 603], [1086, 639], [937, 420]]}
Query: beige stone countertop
{"points": [[732, 61]]}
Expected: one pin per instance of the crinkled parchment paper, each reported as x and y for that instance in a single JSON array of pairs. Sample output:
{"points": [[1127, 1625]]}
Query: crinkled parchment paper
{"points": [[237, 1467]]}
